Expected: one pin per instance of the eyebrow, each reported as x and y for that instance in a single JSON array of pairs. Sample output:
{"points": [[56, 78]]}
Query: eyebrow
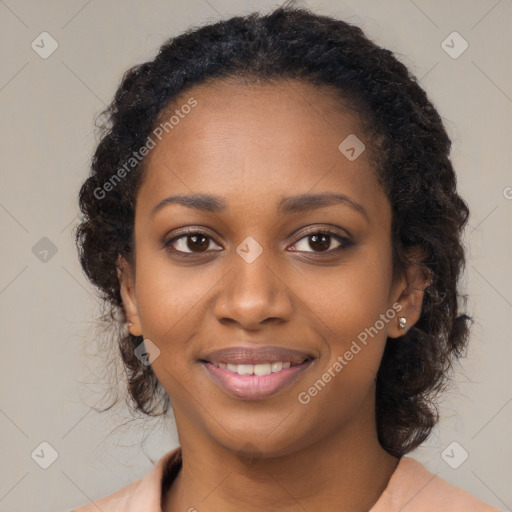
{"points": [[291, 204]]}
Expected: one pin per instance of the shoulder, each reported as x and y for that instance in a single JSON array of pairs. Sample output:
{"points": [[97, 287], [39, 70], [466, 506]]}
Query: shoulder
{"points": [[115, 501], [412, 488], [143, 494]]}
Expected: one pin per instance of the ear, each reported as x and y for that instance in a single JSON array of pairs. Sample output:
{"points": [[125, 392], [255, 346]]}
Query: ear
{"points": [[408, 291], [127, 290]]}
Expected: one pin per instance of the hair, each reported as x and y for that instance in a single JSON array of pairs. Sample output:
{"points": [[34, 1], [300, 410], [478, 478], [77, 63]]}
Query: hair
{"points": [[410, 150]]}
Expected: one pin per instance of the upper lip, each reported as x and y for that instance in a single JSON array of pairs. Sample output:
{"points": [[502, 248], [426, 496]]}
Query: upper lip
{"points": [[256, 355]]}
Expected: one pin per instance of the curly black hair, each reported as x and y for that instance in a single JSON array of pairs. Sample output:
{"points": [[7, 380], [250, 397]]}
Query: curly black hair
{"points": [[410, 152]]}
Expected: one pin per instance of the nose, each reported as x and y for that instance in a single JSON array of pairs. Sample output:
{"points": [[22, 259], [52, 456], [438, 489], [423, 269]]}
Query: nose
{"points": [[253, 294]]}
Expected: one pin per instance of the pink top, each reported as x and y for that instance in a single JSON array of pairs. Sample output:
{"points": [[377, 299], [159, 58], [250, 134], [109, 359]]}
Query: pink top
{"points": [[411, 488]]}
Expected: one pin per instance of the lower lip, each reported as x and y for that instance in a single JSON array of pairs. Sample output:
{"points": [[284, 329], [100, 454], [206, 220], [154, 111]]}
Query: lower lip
{"points": [[255, 387]]}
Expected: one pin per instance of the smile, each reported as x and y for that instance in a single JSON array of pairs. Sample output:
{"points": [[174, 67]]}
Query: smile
{"points": [[255, 381], [255, 369]]}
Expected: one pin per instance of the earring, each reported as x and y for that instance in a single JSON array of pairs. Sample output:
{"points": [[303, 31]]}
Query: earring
{"points": [[401, 322], [127, 326]]}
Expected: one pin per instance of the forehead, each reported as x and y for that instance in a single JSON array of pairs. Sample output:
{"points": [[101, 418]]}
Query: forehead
{"points": [[258, 141]]}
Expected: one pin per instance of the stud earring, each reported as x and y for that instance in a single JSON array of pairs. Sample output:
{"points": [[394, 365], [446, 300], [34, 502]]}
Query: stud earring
{"points": [[127, 326], [401, 322]]}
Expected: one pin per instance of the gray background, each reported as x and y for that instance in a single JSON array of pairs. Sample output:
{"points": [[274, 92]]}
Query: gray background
{"points": [[49, 376]]}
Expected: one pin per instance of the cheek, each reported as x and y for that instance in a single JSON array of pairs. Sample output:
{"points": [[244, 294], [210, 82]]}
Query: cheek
{"points": [[350, 304], [351, 296], [171, 300], [355, 335]]}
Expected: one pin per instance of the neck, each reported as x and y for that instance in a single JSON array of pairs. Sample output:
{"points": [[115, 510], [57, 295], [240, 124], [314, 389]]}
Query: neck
{"points": [[348, 469]]}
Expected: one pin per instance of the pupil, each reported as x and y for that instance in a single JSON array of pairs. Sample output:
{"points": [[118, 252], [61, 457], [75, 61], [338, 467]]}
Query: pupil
{"points": [[315, 239], [194, 245]]}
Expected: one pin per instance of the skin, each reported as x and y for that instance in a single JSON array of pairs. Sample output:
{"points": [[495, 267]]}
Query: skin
{"points": [[252, 145]]}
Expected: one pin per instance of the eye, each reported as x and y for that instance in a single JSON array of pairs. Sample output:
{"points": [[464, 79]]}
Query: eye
{"points": [[320, 240], [192, 241]]}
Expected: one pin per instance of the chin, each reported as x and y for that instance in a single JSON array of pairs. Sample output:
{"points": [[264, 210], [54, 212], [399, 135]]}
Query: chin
{"points": [[266, 441]]}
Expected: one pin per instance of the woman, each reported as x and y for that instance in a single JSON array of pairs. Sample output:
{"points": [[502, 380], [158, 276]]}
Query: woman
{"points": [[273, 212]]}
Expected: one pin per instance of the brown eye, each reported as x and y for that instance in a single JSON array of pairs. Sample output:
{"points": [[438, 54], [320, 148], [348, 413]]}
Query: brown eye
{"points": [[197, 242], [191, 242], [320, 241]]}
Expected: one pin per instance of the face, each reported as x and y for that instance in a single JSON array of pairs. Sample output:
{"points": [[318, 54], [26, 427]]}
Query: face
{"points": [[260, 265]]}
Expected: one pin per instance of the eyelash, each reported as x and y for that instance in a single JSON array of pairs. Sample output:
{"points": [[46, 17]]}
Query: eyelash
{"points": [[344, 241]]}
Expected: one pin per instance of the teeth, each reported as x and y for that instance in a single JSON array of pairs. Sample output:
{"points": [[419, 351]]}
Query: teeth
{"points": [[262, 369], [245, 369], [277, 367], [254, 369]]}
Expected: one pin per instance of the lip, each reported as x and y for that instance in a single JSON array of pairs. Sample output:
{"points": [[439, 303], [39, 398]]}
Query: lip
{"points": [[255, 387], [256, 355]]}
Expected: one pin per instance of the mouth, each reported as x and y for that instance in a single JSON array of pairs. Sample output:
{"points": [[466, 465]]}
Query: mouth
{"points": [[257, 369], [255, 374]]}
